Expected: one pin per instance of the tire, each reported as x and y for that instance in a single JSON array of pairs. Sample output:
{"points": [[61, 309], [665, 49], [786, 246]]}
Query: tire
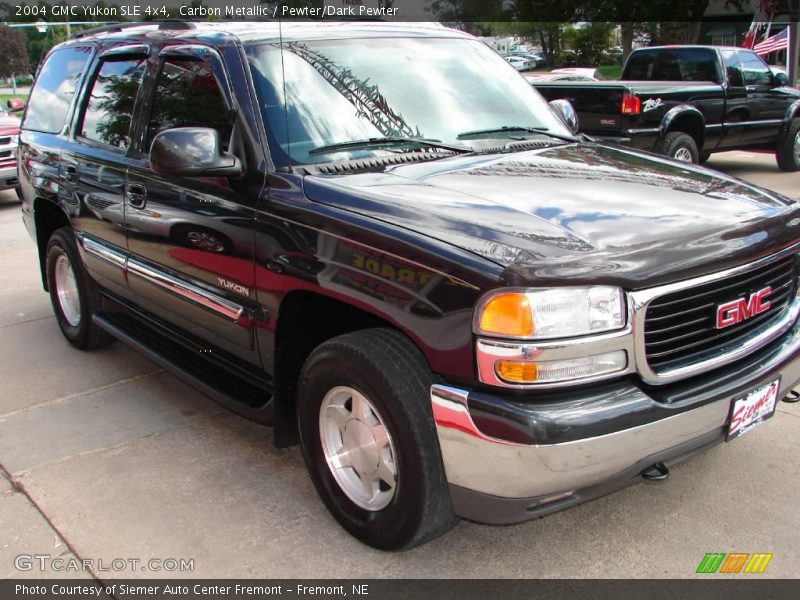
{"points": [[202, 238], [384, 368], [788, 153], [679, 146], [703, 158], [73, 293]]}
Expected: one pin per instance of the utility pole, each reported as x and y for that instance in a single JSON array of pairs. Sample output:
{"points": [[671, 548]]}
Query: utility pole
{"points": [[793, 50], [69, 29]]}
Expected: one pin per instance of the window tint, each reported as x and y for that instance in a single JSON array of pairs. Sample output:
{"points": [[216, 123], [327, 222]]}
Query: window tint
{"points": [[678, 64], [188, 95], [107, 117], [733, 68], [54, 89], [756, 72]]}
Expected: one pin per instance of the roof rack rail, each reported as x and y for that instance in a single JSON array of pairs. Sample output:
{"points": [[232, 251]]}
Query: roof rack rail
{"points": [[116, 27]]}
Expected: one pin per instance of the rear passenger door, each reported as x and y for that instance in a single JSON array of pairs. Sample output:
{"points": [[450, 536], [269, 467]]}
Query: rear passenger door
{"points": [[94, 165], [191, 238]]}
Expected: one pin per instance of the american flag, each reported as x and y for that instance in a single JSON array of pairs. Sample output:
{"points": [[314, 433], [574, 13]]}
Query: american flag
{"points": [[779, 41]]}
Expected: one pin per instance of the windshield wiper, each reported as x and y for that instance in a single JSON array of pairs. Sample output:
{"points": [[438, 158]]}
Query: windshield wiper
{"points": [[478, 133], [387, 141]]}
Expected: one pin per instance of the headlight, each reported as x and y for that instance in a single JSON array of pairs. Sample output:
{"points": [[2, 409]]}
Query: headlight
{"points": [[549, 313]]}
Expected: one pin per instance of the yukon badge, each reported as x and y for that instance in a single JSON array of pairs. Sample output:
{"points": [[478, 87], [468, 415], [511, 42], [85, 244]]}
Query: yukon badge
{"points": [[233, 286], [736, 311]]}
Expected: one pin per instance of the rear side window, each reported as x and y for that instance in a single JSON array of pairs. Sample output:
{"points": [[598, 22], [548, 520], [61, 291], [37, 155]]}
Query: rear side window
{"points": [[107, 117], [667, 64], [188, 95], [55, 88]]}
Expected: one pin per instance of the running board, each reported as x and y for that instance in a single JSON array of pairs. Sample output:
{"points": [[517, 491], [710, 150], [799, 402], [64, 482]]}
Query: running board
{"points": [[252, 400]]}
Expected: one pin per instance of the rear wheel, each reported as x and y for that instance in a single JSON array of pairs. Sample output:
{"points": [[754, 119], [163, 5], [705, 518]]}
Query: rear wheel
{"points": [[679, 146], [788, 152], [73, 294], [369, 441]]}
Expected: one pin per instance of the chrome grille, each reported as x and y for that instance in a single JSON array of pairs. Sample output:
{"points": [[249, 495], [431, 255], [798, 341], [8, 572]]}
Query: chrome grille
{"points": [[5, 141], [680, 326]]}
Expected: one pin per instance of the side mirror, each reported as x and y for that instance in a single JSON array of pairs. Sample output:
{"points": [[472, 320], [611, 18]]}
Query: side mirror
{"points": [[565, 111], [16, 105], [780, 79], [191, 152]]}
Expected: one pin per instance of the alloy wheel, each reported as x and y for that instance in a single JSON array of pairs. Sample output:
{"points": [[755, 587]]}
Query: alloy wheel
{"points": [[358, 448]]}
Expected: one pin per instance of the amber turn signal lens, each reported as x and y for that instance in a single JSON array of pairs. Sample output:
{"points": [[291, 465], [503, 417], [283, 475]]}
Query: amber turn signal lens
{"points": [[507, 314], [516, 372]]}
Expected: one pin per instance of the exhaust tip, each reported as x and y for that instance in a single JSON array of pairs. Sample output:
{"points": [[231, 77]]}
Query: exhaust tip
{"points": [[658, 472]]}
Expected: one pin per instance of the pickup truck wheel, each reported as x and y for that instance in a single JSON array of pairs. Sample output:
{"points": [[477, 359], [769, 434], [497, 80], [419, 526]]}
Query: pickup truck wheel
{"points": [[72, 292], [680, 146], [369, 441], [788, 152]]}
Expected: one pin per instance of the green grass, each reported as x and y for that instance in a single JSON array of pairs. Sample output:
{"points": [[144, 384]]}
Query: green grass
{"points": [[611, 71]]}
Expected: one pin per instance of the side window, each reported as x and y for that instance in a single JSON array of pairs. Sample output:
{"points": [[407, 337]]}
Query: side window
{"points": [[188, 95], [733, 68], [107, 116], [55, 88], [755, 71]]}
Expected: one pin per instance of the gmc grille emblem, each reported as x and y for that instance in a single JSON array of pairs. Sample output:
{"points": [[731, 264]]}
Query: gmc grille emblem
{"points": [[736, 311]]}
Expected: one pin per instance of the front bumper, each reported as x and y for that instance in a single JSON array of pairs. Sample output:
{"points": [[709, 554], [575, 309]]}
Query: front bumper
{"points": [[512, 459], [8, 177]]}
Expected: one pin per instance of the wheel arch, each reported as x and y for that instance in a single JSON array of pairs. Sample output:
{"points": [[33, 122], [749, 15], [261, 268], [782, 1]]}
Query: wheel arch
{"points": [[687, 119], [791, 113], [47, 218], [305, 320]]}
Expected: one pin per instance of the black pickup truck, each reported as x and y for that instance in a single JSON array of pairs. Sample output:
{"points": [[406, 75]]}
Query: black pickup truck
{"points": [[688, 102], [455, 305]]}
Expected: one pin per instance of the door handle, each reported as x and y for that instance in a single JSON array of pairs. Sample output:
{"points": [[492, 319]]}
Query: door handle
{"points": [[136, 195], [71, 174]]}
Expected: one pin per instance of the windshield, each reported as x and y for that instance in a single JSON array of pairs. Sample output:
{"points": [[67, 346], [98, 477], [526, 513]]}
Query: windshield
{"points": [[331, 92]]}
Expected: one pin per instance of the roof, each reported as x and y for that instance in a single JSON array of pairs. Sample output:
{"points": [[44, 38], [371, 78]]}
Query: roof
{"points": [[255, 31]]}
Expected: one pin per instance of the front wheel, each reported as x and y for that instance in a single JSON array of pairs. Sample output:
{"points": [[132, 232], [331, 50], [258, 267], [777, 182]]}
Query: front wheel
{"points": [[788, 152], [679, 146], [369, 441]]}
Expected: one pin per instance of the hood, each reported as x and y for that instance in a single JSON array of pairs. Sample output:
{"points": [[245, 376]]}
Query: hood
{"points": [[582, 212]]}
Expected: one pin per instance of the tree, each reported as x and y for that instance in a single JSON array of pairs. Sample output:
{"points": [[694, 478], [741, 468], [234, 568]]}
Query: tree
{"points": [[13, 52]]}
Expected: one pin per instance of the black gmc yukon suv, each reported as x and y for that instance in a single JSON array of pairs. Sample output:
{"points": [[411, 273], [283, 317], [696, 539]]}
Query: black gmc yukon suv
{"points": [[382, 241], [688, 102]]}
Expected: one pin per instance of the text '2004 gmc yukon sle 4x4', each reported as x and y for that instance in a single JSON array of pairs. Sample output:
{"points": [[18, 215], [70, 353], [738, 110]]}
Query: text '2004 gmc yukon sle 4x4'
{"points": [[688, 102], [382, 241]]}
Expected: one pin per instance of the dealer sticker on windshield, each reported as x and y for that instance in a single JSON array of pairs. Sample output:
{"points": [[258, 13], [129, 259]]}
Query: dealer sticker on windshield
{"points": [[752, 409]]}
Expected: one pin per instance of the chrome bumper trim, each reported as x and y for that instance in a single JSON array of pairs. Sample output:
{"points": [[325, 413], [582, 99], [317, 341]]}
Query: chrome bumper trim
{"points": [[506, 469]]}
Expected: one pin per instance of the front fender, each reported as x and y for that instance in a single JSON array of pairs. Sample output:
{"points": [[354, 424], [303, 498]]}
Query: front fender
{"points": [[791, 112]]}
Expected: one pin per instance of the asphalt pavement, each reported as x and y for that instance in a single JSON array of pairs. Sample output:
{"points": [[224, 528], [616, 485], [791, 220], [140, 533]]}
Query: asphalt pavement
{"points": [[104, 457]]}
